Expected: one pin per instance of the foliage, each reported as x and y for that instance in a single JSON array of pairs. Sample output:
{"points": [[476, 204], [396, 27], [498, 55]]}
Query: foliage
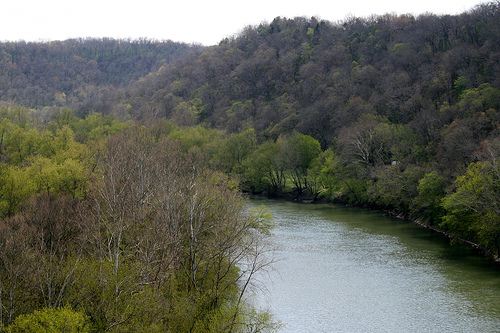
{"points": [[234, 149], [396, 189], [431, 191], [264, 169], [51, 321], [262, 219], [300, 151], [479, 99], [472, 210], [64, 73], [137, 235]]}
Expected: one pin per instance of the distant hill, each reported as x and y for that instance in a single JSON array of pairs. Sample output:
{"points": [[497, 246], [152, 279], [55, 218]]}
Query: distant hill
{"points": [[317, 77], [66, 73]]}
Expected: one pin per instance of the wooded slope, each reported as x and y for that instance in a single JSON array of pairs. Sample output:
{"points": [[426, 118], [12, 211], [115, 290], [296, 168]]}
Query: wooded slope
{"points": [[394, 112]]}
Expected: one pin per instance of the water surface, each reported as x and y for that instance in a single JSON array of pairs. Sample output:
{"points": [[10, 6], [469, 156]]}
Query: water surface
{"points": [[344, 269]]}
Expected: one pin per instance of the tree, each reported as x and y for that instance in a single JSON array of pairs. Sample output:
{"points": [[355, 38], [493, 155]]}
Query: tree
{"points": [[322, 174], [472, 210], [163, 224], [462, 138], [234, 149], [479, 99], [395, 187], [16, 145], [431, 191], [15, 188], [300, 150], [240, 116], [5, 128], [57, 223], [265, 168], [365, 144], [197, 136], [51, 321], [17, 269], [187, 113]]}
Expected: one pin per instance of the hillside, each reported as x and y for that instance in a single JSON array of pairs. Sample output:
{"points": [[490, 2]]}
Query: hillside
{"points": [[317, 77], [405, 111], [74, 72]]}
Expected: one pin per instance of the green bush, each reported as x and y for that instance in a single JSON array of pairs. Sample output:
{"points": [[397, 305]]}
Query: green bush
{"points": [[51, 321]]}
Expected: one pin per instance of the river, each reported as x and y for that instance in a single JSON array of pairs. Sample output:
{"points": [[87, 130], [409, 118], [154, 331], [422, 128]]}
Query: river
{"points": [[345, 269]]}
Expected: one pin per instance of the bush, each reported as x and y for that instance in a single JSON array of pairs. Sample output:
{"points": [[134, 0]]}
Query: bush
{"points": [[51, 321]]}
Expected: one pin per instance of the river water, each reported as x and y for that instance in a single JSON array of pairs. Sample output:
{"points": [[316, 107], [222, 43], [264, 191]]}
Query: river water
{"points": [[344, 269]]}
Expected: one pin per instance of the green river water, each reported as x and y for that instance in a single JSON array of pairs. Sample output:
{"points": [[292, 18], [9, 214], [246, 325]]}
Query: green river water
{"points": [[344, 269]]}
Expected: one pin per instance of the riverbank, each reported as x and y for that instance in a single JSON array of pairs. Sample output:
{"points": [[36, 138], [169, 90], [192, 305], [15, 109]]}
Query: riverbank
{"points": [[483, 251]]}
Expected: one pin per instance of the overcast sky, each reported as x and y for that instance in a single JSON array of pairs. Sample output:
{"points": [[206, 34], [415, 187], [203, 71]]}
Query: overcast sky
{"points": [[206, 22]]}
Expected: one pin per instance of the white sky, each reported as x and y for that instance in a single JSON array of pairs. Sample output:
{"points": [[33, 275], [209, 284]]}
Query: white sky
{"points": [[205, 22]]}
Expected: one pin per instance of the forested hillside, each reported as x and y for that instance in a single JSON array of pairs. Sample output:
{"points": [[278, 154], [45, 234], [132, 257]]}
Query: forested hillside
{"points": [[121, 161], [77, 71], [317, 77], [404, 110]]}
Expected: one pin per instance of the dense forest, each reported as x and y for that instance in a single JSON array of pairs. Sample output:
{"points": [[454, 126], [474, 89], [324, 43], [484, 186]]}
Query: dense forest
{"points": [[108, 226], [122, 161], [78, 71]]}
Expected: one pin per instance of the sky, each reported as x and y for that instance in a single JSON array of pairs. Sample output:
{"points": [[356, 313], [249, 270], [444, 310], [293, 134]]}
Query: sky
{"points": [[192, 21]]}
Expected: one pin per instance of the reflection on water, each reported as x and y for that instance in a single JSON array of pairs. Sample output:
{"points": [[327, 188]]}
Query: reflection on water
{"points": [[345, 269]]}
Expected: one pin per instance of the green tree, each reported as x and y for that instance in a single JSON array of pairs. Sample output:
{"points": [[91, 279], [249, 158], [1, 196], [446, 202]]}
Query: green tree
{"points": [[265, 168], [234, 149], [62, 117], [473, 209], [15, 188], [300, 150], [197, 136], [479, 99], [396, 187], [16, 145], [95, 126], [5, 128], [239, 116], [324, 174], [188, 113], [69, 177], [51, 321], [431, 191]]}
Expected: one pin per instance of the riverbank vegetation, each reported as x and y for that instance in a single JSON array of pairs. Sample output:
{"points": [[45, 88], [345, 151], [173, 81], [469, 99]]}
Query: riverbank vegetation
{"points": [[119, 185], [125, 230]]}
